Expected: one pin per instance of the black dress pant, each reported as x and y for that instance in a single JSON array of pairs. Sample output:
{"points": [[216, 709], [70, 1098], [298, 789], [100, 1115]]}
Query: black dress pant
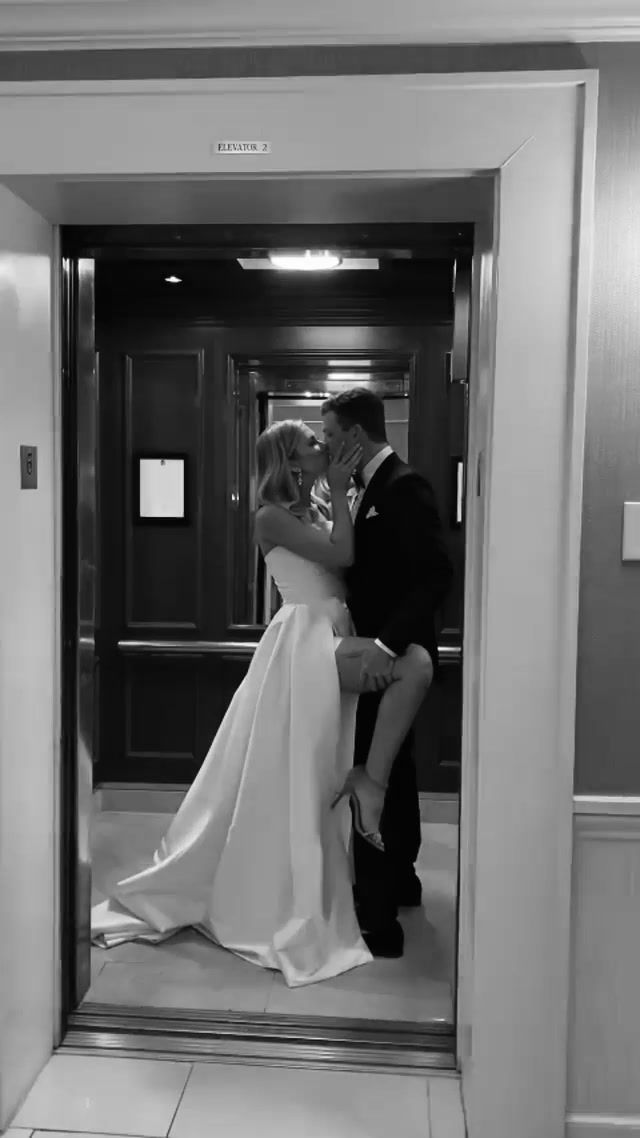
{"points": [[378, 875]]}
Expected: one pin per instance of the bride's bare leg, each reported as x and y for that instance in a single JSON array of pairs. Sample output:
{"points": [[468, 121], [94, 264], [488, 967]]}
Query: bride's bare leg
{"points": [[410, 681]]}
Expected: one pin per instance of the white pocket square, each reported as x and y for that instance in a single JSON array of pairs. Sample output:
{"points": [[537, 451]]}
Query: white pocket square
{"points": [[373, 513]]}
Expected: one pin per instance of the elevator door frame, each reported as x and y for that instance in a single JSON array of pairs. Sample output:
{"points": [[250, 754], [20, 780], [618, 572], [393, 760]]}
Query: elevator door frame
{"points": [[346, 1041], [523, 549]]}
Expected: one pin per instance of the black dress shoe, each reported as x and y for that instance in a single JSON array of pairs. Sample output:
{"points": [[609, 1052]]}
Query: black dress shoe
{"points": [[409, 893], [387, 941]]}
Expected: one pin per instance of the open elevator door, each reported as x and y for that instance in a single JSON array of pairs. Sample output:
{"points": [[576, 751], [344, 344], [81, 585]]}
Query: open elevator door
{"points": [[80, 565]]}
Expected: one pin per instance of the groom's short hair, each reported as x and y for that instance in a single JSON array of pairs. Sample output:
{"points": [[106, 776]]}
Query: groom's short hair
{"points": [[362, 407]]}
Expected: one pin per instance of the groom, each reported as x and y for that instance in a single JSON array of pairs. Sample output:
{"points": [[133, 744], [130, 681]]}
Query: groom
{"points": [[400, 576]]}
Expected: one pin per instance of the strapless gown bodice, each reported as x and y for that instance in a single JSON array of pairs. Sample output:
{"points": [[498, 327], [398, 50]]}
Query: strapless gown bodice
{"points": [[302, 582], [305, 583]]}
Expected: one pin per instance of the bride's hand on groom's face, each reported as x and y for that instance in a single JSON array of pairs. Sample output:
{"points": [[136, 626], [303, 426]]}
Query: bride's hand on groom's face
{"points": [[342, 466], [377, 669]]}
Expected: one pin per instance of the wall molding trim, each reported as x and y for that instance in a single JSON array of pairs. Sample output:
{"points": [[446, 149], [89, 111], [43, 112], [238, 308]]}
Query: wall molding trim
{"points": [[155, 798], [603, 1126], [606, 828], [83, 25], [139, 798], [607, 804]]}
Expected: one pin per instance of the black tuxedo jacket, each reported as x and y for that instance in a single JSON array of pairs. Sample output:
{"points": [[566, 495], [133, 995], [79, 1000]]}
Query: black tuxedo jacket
{"points": [[401, 571]]}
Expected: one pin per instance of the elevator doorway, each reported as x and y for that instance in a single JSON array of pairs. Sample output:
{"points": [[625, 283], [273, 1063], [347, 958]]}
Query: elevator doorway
{"points": [[189, 378]]}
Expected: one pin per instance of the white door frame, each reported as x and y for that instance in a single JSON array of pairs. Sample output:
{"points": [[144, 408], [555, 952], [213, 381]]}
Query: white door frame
{"points": [[536, 133]]}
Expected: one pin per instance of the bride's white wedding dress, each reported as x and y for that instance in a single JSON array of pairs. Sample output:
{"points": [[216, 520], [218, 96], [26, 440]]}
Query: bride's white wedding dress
{"points": [[255, 858]]}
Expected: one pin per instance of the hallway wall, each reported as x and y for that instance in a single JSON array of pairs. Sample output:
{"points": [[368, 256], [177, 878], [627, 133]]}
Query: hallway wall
{"points": [[608, 711]]}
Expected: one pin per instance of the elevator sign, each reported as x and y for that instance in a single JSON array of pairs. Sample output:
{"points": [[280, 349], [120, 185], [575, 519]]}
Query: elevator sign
{"points": [[242, 148]]}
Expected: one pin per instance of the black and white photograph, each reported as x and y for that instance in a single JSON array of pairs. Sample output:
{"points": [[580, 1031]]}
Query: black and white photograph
{"points": [[319, 628]]}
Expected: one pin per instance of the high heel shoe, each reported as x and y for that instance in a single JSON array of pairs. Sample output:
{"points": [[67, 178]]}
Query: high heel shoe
{"points": [[349, 790]]}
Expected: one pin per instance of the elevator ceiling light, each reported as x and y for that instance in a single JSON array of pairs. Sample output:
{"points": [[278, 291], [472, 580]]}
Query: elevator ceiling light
{"points": [[350, 363], [265, 263], [173, 280], [351, 375], [309, 262]]}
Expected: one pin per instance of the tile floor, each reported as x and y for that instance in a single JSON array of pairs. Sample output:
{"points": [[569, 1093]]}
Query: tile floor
{"points": [[189, 971], [96, 1095]]}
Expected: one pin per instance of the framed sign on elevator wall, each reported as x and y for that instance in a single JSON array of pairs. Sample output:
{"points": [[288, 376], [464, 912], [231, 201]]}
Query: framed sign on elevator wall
{"points": [[160, 489]]}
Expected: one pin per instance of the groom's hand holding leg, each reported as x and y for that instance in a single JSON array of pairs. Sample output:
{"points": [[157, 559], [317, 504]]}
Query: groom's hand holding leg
{"points": [[377, 669]]}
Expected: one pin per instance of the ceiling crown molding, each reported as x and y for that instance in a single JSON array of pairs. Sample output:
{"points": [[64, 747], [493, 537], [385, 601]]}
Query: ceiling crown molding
{"points": [[28, 25]]}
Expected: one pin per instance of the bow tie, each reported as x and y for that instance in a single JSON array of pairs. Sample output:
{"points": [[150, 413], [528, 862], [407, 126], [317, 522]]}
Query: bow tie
{"points": [[358, 480]]}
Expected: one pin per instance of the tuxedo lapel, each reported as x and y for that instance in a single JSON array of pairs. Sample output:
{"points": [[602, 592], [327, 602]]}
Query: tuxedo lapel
{"points": [[377, 483]]}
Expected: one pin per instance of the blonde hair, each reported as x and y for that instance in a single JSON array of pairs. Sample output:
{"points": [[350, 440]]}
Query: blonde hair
{"points": [[275, 450]]}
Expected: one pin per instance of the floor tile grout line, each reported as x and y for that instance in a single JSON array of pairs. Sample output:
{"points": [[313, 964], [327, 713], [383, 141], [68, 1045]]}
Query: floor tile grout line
{"points": [[182, 1094], [101, 1133], [430, 1130]]}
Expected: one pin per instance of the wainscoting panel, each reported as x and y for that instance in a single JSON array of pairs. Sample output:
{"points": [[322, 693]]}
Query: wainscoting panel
{"points": [[604, 1018]]}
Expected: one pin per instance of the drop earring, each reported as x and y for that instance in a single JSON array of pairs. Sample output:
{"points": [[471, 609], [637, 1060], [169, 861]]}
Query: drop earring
{"points": [[297, 474]]}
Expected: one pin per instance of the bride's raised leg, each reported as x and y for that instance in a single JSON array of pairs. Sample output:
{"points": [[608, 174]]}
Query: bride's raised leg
{"points": [[410, 680]]}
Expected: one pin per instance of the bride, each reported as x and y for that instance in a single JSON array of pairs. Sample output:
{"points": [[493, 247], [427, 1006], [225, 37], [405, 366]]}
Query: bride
{"points": [[256, 858]]}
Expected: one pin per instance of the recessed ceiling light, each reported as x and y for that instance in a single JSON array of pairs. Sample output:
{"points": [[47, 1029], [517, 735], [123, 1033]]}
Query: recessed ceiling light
{"points": [[349, 375], [350, 363], [308, 262], [263, 264], [173, 280]]}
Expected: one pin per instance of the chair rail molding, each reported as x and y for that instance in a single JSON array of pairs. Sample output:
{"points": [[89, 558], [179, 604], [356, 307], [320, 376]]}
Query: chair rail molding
{"points": [[41, 25], [602, 1126], [617, 805]]}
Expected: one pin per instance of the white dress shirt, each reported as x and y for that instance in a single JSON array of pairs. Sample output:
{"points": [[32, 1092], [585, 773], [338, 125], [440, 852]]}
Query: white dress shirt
{"points": [[367, 474], [375, 463]]}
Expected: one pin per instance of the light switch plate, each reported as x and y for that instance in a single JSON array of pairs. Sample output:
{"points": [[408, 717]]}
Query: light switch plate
{"points": [[631, 532]]}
